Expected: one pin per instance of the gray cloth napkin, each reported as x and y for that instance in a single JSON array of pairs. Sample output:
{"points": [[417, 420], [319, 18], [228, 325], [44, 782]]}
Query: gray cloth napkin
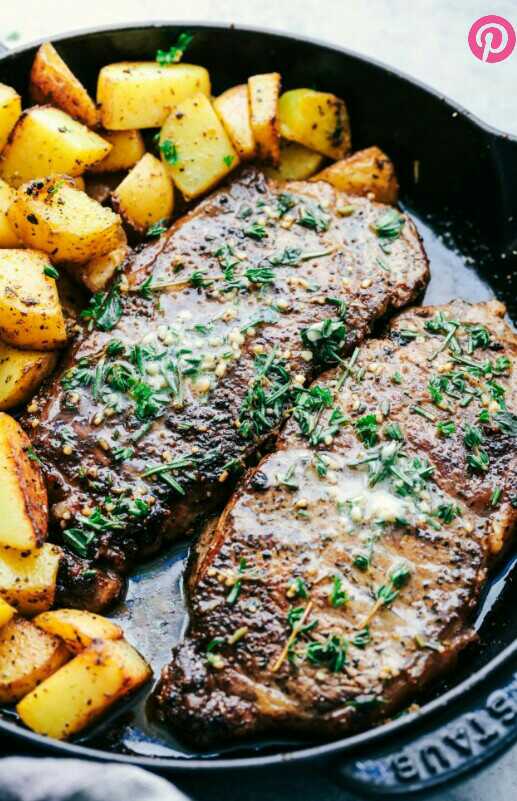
{"points": [[26, 779]]}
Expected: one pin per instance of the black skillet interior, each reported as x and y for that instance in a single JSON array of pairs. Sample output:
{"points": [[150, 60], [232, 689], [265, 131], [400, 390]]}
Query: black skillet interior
{"points": [[458, 179]]}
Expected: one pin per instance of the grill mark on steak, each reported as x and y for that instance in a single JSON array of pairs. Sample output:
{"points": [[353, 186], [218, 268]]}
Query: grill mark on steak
{"points": [[85, 424], [383, 571]]}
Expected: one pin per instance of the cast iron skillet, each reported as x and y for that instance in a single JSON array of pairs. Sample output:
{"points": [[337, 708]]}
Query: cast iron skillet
{"points": [[459, 179]]}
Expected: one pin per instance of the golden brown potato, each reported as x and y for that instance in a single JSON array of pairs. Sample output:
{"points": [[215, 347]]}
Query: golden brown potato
{"points": [[60, 220], [233, 107], [78, 628], [367, 172], [21, 373], [264, 91], [80, 691], [45, 141], [30, 313], [141, 94], [28, 655], [8, 238], [28, 578], [318, 120], [195, 147], [127, 147], [97, 273], [7, 612], [23, 496], [10, 110], [297, 163], [145, 196], [51, 81]]}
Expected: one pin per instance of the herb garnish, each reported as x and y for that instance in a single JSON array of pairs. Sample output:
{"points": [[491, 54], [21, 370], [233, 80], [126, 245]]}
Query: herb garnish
{"points": [[389, 225], [175, 52], [104, 310], [169, 151], [325, 339]]}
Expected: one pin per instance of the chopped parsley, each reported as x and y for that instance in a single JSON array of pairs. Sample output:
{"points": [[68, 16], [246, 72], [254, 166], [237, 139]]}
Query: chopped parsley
{"points": [[446, 428], [157, 228], [366, 428], [169, 152], [51, 272], [228, 160]]}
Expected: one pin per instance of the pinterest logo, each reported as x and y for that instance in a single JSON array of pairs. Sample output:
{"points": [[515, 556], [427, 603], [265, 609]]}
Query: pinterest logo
{"points": [[492, 38]]}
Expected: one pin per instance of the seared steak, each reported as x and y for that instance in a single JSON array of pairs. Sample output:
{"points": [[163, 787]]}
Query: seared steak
{"points": [[342, 575], [185, 367]]}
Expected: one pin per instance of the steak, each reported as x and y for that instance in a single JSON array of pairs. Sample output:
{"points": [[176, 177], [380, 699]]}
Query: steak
{"points": [[343, 574], [184, 369]]}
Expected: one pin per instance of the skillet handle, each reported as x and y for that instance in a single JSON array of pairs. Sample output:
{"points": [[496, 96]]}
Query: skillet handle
{"points": [[458, 740]]}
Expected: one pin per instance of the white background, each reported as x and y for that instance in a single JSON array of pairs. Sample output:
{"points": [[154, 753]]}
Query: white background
{"points": [[426, 38]]}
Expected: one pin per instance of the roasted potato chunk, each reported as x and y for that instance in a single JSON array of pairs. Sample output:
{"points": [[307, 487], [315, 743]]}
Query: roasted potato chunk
{"points": [[45, 141], [97, 273], [7, 612], [78, 628], [127, 147], [28, 655], [141, 94], [8, 238], [10, 110], [145, 196], [367, 172], [264, 91], [21, 373], [23, 496], [297, 163], [195, 147], [80, 691], [53, 82], [318, 120], [30, 312], [28, 579], [60, 220], [233, 107]]}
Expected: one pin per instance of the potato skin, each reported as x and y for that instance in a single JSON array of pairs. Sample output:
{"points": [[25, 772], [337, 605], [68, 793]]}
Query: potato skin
{"points": [[77, 627], [23, 494], [233, 107], [10, 110], [83, 689], [141, 94], [8, 238], [264, 91], [203, 153], [318, 120], [127, 147], [45, 141], [97, 273], [28, 578], [146, 195], [52, 81], [367, 172], [30, 312], [56, 218], [28, 655], [21, 373], [297, 163]]}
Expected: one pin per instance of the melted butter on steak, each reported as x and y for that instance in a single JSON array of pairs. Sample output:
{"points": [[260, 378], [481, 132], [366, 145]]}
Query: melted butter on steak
{"points": [[343, 573]]}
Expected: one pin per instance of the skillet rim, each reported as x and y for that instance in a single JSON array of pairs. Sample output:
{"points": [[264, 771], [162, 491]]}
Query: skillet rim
{"points": [[381, 732]]}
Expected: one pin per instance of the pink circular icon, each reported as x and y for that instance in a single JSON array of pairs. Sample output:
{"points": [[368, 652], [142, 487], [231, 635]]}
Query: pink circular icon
{"points": [[492, 38]]}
